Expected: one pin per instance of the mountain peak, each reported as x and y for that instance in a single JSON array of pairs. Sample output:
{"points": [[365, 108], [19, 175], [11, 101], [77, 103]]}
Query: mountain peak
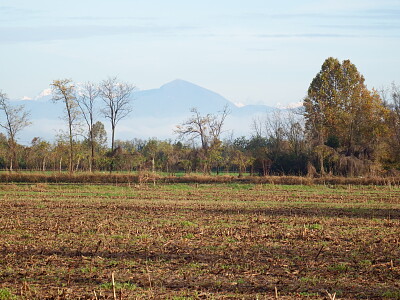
{"points": [[156, 111], [179, 83]]}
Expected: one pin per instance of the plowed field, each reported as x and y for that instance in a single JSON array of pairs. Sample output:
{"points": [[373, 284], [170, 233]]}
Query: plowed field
{"points": [[191, 241]]}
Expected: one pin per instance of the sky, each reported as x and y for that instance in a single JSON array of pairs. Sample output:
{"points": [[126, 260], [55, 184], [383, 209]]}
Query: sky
{"points": [[251, 52]]}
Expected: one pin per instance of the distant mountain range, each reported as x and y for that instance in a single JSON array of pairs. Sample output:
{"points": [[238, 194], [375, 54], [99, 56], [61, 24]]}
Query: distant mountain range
{"points": [[156, 112]]}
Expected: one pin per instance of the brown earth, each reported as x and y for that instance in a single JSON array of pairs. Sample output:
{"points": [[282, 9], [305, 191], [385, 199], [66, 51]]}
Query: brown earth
{"points": [[199, 241]]}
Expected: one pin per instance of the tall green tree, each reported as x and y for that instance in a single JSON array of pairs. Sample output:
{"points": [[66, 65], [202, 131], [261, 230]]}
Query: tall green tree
{"points": [[150, 152], [99, 134], [340, 108]]}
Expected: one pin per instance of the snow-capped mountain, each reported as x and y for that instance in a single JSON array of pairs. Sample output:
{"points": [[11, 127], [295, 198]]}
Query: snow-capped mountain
{"points": [[156, 112]]}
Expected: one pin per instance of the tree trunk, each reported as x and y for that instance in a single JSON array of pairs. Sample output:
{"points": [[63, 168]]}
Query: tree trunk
{"points": [[111, 165], [77, 164], [91, 164], [321, 164], [13, 155], [112, 137], [240, 171], [264, 167], [112, 148], [71, 149]]}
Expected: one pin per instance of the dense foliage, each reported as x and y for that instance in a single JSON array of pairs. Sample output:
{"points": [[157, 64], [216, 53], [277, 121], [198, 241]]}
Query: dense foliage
{"points": [[342, 129]]}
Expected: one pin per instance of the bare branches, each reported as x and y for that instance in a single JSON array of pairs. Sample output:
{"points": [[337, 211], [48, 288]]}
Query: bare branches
{"points": [[117, 99], [257, 126], [64, 90], [16, 119], [195, 127], [216, 123], [86, 97], [207, 128], [116, 96], [395, 96]]}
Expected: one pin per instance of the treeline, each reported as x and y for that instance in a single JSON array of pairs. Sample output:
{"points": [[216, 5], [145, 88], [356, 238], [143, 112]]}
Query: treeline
{"points": [[342, 129]]}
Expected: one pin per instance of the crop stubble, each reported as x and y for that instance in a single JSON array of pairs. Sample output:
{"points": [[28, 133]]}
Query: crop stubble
{"points": [[199, 241]]}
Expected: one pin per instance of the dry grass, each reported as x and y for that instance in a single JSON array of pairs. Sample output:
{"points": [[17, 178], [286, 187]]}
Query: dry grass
{"points": [[148, 177]]}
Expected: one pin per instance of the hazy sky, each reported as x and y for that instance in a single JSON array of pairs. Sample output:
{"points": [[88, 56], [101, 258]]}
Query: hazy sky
{"points": [[254, 51]]}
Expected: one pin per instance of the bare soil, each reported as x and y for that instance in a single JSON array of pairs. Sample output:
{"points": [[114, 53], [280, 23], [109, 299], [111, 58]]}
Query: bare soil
{"points": [[199, 241]]}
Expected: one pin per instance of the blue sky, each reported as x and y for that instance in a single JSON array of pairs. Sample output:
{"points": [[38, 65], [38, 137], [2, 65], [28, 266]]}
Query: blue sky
{"points": [[251, 52]]}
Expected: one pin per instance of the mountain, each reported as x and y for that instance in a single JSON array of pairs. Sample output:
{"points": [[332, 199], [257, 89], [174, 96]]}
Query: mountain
{"points": [[156, 112], [177, 98]]}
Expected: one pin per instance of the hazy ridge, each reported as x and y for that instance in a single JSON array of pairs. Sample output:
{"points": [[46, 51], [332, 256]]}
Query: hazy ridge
{"points": [[156, 112]]}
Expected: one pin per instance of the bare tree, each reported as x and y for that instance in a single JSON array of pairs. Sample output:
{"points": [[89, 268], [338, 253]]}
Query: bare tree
{"points": [[64, 90], [205, 128], [391, 98], [117, 99], [295, 132], [286, 128], [257, 126], [16, 119], [283, 133], [86, 97], [395, 95]]}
